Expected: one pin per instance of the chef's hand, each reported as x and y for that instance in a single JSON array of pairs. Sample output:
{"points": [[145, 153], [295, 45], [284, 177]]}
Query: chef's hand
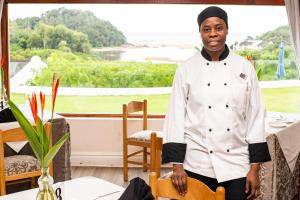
{"points": [[252, 182], [179, 179]]}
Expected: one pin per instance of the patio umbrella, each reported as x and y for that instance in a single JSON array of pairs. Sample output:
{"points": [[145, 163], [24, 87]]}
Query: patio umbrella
{"points": [[280, 67]]}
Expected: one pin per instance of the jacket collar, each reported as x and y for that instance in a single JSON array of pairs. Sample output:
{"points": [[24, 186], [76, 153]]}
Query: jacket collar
{"points": [[223, 55]]}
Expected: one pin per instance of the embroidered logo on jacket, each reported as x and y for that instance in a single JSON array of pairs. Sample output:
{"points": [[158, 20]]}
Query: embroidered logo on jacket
{"points": [[243, 76]]}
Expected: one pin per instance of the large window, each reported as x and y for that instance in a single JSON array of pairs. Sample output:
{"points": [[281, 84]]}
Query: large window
{"points": [[107, 55]]}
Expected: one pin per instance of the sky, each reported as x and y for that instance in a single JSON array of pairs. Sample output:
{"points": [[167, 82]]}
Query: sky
{"points": [[167, 18]]}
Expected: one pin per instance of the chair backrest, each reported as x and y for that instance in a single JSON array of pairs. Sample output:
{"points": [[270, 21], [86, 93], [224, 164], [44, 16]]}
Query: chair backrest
{"points": [[15, 135], [196, 190], [164, 187], [131, 108]]}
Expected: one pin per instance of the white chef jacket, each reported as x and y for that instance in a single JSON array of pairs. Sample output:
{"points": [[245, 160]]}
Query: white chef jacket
{"points": [[216, 109]]}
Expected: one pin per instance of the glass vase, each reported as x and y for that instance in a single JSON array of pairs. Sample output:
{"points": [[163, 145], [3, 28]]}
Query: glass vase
{"points": [[45, 182]]}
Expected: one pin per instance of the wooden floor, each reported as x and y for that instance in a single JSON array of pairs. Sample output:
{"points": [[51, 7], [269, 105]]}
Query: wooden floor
{"points": [[113, 174]]}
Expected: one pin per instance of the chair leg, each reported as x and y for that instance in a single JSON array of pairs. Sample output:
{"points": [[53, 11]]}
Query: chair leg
{"points": [[3, 188], [153, 184], [125, 163], [32, 182], [145, 167], [154, 154]]}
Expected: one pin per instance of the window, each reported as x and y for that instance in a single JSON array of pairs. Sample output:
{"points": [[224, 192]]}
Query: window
{"points": [[99, 48]]}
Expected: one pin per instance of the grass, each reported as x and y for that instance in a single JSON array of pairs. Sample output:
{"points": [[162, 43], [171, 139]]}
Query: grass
{"points": [[282, 99], [100, 104], [275, 99]]}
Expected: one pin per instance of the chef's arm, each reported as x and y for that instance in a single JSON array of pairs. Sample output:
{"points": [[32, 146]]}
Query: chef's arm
{"points": [[256, 138], [174, 147]]}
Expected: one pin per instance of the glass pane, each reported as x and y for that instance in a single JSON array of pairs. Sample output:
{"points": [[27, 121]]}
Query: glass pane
{"points": [[109, 54]]}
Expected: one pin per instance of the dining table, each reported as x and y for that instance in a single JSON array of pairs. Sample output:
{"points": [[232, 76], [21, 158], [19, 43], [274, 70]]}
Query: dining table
{"points": [[83, 188], [280, 177]]}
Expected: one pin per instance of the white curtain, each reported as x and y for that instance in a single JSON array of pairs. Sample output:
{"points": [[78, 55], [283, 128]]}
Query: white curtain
{"points": [[1, 7], [293, 12]]}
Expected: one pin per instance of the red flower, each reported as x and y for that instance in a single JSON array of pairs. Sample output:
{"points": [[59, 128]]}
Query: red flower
{"points": [[42, 99], [33, 106], [55, 84]]}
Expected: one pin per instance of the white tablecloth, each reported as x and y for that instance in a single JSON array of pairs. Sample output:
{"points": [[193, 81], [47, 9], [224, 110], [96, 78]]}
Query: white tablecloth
{"points": [[279, 178], [287, 129], [84, 188]]}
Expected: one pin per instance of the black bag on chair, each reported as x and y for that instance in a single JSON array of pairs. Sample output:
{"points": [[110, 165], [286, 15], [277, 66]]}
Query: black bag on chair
{"points": [[137, 190]]}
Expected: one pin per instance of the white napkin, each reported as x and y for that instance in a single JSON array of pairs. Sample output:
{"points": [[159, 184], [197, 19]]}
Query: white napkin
{"points": [[17, 146]]}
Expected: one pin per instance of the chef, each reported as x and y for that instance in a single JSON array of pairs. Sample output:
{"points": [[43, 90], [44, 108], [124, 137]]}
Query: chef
{"points": [[214, 127]]}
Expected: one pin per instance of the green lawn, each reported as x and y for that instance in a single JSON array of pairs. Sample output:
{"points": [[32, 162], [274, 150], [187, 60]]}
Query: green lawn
{"points": [[282, 99], [275, 99]]}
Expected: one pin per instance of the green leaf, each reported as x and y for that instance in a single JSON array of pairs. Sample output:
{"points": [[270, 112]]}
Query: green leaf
{"points": [[54, 149], [29, 131], [259, 73], [42, 136]]}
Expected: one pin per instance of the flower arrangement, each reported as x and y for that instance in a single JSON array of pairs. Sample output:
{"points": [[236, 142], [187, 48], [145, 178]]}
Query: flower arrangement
{"points": [[36, 134]]}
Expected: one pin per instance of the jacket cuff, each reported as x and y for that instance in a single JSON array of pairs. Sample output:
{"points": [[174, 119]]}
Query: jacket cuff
{"points": [[173, 152], [259, 152]]}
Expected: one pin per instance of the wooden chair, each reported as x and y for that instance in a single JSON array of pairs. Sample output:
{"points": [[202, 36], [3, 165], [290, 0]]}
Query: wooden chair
{"points": [[18, 168], [145, 138], [196, 190], [158, 143], [164, 188]]}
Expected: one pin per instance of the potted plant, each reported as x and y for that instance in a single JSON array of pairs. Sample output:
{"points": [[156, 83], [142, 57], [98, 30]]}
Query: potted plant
{"points": [[39, 141]]}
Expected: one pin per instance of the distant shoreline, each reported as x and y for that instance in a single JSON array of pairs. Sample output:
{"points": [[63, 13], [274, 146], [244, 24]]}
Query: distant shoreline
{"points": [[142, 46]]}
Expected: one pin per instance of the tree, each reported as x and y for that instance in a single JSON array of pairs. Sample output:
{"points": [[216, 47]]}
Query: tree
{"points": [[27, 23], [52, 36], [63, 46], [80, 29], [273, 38], [100, 33]]}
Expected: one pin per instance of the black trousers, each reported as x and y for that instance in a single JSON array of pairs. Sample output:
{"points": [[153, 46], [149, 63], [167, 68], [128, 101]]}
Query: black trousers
{"points": [[234, 189]]}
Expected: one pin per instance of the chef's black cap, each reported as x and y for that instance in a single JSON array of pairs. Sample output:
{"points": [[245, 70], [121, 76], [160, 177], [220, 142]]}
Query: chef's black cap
{"points": [[212, 11]]}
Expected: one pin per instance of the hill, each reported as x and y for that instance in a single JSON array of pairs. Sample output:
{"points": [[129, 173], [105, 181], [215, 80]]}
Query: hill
{"points": [[100, 33], [68, 30]]}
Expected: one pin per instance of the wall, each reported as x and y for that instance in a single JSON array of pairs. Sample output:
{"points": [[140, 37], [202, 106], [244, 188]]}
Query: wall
{"points": [[98, 141]]}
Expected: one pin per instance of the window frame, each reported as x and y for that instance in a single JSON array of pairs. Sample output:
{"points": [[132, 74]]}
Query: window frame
{"points": [[4, 17]]}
